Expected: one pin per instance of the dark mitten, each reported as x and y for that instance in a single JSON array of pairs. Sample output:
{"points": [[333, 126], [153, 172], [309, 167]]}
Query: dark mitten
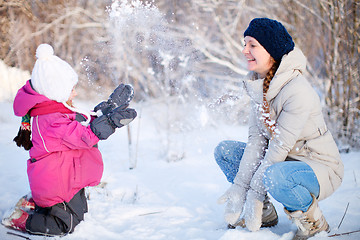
{"points": [[105, 125], [23, 139], [121, 117], [102, 127], [80, 118], [121, 97], [104, 107]]}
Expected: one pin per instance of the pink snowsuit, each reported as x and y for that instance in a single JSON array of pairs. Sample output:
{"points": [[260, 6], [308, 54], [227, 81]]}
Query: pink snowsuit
{"points": [[63, 159]]}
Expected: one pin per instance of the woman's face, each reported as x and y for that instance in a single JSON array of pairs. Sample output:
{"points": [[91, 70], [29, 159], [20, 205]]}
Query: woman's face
{"points": [[258, 59]]}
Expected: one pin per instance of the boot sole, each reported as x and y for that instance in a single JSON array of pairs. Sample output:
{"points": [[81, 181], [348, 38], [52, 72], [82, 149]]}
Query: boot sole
{"points": [[263, 225], [270, 224]]}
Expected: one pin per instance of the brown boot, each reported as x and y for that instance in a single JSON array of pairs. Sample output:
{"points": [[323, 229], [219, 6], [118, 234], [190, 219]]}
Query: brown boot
{"points": [[269, 216], [308, 223]]}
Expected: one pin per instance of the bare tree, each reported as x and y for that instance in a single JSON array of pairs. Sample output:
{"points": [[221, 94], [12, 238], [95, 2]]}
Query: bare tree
{"points": [[328, 31], [76, 29], [190, 51]]}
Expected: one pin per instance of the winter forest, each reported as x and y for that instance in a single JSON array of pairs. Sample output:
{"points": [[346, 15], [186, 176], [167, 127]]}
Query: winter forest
{"points": [[174, 52], [184, 60]]}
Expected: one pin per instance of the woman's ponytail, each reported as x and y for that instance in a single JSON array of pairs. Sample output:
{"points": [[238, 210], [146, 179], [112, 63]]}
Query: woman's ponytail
{"points": [[265, 111]]}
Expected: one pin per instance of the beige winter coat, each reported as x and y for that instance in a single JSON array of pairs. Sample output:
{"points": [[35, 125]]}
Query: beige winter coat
{"points": [[302, 132]]}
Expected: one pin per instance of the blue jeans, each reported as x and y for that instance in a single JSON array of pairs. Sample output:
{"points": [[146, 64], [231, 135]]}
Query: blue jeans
{"points": [[290, 182]]}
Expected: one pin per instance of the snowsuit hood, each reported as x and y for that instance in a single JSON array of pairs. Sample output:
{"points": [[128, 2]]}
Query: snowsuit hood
{"points": [[26, 99]]}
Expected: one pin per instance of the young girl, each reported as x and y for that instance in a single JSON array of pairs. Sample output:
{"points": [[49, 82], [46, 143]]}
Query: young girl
{"points": [[64, 158], [290, 153]]}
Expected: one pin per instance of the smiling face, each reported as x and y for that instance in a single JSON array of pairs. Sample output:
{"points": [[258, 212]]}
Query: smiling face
{"points": [[258, 59]]}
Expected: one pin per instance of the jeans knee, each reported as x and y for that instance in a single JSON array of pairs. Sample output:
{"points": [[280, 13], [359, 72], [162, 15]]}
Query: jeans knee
{"points": [[219, 151], [273, 178]]}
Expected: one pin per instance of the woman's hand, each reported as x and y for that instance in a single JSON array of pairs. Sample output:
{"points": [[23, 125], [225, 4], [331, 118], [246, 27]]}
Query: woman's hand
{"points": [[253, 210], [234, 198]]}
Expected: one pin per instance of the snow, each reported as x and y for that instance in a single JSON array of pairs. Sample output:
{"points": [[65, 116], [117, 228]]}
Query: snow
{"points": [[162, 200], [11, 80], [159, 199]]}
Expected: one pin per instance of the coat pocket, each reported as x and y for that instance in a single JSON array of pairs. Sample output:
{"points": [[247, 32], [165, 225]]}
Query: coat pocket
{"points": [[71, 173], [323, 148], [77, 172]]}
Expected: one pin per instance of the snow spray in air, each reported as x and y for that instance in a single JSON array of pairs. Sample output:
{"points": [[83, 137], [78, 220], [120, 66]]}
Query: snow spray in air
{"points": [[150, 57]]}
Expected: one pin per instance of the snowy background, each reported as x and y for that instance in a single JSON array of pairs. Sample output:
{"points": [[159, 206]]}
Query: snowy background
{"points": [[163, 200], [165, 184]]}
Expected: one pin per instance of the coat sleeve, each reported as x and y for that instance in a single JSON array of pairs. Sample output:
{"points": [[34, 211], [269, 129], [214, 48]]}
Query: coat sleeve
{"points": [[70, 134], [254, 151], [78, 136]]}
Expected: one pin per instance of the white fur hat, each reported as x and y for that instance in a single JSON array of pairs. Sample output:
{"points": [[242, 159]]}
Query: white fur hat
{"points": [[52, 76]]}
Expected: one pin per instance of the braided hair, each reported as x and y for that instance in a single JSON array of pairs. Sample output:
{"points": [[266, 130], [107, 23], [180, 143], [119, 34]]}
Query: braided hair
{"points": [[265, 108]]}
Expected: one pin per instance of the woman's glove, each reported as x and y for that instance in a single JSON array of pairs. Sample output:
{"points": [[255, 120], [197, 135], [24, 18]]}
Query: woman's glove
{"points": [[255, 198], [253, 210], [234, 198]]}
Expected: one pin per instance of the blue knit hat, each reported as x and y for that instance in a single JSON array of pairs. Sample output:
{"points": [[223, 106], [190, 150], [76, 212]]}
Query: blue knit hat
{"points": [[272, 35]]}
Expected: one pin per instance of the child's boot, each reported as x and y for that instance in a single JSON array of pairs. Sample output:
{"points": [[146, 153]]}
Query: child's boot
{"points": [[26, 203], [17, 220]]}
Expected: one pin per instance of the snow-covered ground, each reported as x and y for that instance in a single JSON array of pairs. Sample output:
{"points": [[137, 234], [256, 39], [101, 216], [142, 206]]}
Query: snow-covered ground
{"points": [[161, 200]]}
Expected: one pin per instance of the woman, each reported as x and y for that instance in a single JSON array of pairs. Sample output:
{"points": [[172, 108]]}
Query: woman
{"points": [[290, 153]]}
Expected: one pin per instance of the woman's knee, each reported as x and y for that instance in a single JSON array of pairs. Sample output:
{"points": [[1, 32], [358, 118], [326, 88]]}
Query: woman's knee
{"points": [[220, 151], [287, 174], [274, 177]]}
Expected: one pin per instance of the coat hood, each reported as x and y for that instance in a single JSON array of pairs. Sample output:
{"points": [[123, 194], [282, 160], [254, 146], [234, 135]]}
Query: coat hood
{"points": [[26, 98], [291, 66]]}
